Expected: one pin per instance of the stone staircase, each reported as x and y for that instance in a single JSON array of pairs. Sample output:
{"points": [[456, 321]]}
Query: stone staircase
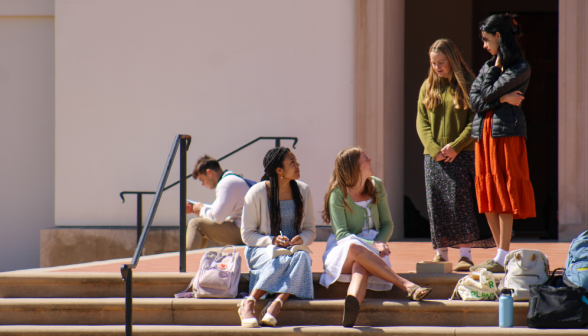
{"points": [[62, 303]]}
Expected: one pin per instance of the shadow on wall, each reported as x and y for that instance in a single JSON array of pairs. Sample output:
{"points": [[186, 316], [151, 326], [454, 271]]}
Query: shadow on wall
{"points": [[415, 224]]}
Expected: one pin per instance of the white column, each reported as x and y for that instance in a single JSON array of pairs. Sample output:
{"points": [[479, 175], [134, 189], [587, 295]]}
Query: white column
{"points": [[573, 119], [379, 95]]}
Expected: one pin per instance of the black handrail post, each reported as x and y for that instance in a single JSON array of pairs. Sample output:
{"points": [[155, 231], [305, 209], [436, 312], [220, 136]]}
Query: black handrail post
{"points": [[278, 142], [139, 216], [183, 148], [126, 270], [127, 274]]}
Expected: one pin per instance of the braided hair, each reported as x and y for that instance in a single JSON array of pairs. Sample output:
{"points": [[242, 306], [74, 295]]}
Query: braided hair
{"points": [[273, 160]]}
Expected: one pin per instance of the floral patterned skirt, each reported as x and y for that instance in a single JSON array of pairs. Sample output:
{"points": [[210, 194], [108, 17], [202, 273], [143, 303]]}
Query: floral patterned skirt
{"points": [[451, 203]]}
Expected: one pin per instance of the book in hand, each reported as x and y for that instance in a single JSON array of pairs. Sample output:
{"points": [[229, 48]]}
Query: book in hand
{"points": [[194, 202], [275, 251]]}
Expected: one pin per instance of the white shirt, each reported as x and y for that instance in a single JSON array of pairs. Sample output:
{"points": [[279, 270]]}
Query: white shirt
{"points": [[228, 206], [367, 225], [256, 229]]}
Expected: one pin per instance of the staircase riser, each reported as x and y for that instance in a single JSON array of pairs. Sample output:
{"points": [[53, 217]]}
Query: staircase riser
{"points": [[230, 317], [338, 290], [441, 291], [284, 331]]}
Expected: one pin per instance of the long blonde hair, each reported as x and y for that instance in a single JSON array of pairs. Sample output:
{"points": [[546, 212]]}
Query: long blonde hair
{"points": [[346, 173], [459, 86]]}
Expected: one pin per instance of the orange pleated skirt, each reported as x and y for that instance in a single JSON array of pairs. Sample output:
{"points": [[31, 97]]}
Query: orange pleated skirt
{"points": [[502, 175]]}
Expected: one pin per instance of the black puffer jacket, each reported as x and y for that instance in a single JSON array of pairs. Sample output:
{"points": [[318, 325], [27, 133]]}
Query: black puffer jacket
{"points": [[489, 86]]}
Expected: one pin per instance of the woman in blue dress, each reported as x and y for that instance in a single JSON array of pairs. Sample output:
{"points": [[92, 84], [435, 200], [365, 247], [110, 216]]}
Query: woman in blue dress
{"points": [[277, 211]]}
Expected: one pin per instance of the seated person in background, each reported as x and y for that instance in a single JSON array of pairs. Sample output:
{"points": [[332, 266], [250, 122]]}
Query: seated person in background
{"points": [[357, 252], [220, 221], [277, 211]]}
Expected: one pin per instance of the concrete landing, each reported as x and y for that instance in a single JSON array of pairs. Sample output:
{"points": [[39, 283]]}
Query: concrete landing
{"points": [[404, 256]]}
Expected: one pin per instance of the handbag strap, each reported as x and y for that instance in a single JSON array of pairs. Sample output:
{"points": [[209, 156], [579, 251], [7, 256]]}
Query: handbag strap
{"points": [[455, 293], [553, 274], [219, 256], [519, 262]]}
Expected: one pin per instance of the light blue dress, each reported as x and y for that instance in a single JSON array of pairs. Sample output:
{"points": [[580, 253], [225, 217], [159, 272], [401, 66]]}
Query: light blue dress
{"points": [[284, 274]]}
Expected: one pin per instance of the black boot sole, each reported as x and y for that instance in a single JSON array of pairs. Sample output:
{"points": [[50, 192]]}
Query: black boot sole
{"points": [[351, 311]]}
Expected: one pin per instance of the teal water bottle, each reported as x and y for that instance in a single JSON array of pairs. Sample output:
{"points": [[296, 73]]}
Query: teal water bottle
{"points": [[505, 309]]}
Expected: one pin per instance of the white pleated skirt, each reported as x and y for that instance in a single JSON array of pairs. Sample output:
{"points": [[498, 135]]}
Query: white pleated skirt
{"points": [[336, 254]]}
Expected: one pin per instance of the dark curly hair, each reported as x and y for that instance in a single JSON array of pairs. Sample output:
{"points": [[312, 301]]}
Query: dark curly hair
{"points": [[510, 31], [273, 160]]}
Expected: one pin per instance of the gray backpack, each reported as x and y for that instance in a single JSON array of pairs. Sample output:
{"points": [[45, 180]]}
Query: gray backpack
{"points": [[217, 277], [524, 268]]}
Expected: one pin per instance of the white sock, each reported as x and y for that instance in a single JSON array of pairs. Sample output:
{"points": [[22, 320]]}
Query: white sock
{"points": [[465, 252], [500, 255], [443, 252]]}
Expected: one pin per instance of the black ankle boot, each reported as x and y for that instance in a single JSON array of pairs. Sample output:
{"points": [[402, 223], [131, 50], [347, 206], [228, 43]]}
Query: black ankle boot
{"points": [[351, 311]]}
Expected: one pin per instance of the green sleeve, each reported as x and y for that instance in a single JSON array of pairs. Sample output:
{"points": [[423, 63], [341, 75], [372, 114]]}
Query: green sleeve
{"points": [[465, 138], [338, 219], [424, 126], [386, 224]]}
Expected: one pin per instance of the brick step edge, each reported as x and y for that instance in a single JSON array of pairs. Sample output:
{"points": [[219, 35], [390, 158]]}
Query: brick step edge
{"points": [[102, 285], [224, 312], [167, 330]]}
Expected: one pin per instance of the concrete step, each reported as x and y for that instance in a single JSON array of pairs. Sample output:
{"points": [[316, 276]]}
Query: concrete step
{"points": [[374, 312], [104, 285], [165, 330]]}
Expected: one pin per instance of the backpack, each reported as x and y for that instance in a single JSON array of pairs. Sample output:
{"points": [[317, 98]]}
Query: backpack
{"points": [[524, 268], [217, 277], [577, 262]]}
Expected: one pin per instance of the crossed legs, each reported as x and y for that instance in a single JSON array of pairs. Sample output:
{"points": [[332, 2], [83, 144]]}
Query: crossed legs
{"points": [[361, 263]]}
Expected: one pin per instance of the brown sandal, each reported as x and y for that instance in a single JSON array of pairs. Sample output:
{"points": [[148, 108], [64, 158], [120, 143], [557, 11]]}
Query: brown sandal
{"points": [[417, 293]]}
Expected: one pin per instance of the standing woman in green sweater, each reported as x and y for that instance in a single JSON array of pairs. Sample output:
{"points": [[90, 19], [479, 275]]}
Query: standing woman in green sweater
{"points": [[444, 125], [357, 252]]}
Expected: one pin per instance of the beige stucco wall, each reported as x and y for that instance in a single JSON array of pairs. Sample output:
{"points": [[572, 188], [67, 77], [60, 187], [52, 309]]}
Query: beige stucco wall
{"points": [[27, 123], [132, 74]]}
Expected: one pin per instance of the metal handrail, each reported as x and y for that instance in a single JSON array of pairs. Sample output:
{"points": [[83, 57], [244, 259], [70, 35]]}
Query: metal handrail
{"points": [[141, 193], [126, 270]]}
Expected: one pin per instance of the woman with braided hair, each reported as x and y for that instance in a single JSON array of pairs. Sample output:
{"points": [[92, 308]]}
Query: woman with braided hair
{"points": [[357, 207], [277, 211]]}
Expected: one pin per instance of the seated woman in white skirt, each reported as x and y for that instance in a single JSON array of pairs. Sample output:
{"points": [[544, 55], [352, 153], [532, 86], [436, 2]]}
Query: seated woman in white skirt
{"points": [[277, 211], [357, 208]]}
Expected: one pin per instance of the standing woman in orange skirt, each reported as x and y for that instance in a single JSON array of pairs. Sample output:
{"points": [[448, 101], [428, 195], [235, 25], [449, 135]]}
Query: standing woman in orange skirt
{"points": [[503, 189]]}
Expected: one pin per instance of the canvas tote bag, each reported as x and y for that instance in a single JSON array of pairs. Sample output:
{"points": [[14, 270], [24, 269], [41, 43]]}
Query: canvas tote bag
{"points": [[476, 286]]}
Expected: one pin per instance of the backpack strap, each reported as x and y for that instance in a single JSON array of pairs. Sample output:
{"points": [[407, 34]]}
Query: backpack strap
{"points": [[249, 184]]}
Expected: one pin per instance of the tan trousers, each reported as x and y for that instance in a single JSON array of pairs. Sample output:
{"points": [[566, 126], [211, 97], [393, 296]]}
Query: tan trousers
{"points": [[200, 230]]}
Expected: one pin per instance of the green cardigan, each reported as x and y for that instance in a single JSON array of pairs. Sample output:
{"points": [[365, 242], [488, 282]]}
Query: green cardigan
{"points": [[346, 223], [444, 124]]}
